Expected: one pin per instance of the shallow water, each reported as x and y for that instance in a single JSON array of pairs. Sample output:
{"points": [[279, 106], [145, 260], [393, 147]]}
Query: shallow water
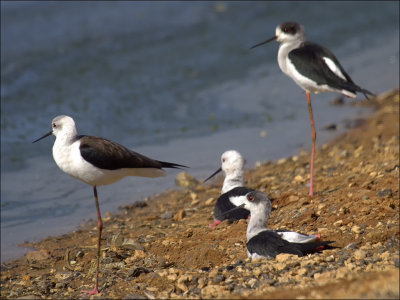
{"points": [[175, 81]]}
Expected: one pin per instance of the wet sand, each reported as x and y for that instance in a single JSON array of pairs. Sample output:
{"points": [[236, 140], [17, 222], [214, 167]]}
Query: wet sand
{"points": [[163, 248]]}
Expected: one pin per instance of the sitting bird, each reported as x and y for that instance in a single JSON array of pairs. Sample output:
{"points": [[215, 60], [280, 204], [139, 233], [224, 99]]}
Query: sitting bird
{"points": [[233, 190], [268, 243]]}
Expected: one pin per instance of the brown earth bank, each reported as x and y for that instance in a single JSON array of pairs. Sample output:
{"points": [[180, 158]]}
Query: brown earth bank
{"points": [[163, 248]]}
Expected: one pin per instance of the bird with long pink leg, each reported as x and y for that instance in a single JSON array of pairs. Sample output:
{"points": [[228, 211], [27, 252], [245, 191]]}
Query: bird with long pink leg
{"points": [[312, 67], [97, 161]]}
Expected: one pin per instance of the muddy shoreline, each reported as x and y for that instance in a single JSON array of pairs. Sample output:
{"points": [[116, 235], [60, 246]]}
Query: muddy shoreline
{"points": [[163, 248]]}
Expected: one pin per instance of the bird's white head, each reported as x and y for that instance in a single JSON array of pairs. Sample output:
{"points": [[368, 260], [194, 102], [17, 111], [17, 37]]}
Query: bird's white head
{"points": [[256, 202], [260, 209], [288, 32], [62, 126], [232, 161]]}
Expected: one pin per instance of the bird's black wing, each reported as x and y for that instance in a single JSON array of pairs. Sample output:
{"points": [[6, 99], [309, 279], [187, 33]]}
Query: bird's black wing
{"points": [[105, 154], [269, 244], [223, 205], [308, 59]]}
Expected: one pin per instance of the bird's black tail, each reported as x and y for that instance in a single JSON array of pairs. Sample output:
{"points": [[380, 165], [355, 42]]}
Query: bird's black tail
{"points": [[314, 246], [165, 164], [366, 93], [351, 86]]}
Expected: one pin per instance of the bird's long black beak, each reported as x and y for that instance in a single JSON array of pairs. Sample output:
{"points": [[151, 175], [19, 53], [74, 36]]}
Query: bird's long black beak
{"points": [[232, 209], [267, 41], [213, 174], [46, 135]]}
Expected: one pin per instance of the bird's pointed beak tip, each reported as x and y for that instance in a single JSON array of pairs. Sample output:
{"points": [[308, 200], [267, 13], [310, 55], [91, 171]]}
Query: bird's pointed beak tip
{"points": [[264, 42], [46, 135], [212, 175]]}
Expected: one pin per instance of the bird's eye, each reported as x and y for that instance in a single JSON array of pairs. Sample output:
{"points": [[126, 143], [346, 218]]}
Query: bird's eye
{"points": [[54, 125], [251, 198], [223, 160]]}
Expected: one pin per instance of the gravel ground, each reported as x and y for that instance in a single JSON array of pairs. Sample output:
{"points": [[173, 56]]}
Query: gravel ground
{"points": [[162, 247]]}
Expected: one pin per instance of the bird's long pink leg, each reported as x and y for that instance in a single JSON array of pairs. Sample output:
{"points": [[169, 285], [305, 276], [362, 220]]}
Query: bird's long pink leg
{"points": [[314, 137], [99, 229]]}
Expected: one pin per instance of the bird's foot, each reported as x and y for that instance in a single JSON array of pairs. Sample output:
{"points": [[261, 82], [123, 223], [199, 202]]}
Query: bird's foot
{"points": [[92, 292], [216, 223], [318, 237]]}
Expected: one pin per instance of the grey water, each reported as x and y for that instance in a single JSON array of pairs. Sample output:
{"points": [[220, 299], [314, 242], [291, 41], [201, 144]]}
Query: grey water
{"points": [[175, 81]]}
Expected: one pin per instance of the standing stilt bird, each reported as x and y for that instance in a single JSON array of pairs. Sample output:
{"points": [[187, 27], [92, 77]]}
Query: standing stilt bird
{"points": [[314, 68], [97, 161]]}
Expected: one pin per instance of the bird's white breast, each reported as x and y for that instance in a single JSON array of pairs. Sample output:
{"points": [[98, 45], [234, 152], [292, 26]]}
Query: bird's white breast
{"points": [[69, 159]]}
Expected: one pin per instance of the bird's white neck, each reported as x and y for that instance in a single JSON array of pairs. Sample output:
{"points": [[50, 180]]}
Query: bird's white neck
{"points": [[283, 53], [232, 180], [67, 137], [258, 220]]}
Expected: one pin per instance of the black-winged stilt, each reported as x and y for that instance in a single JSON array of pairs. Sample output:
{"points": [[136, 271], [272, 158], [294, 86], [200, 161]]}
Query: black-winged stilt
{"points": [[97, 161], [314, 68], [233, 190], [290, 236], [268, 243]]}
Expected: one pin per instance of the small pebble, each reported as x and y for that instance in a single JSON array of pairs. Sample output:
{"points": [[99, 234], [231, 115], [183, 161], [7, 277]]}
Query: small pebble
{"points": [[385, 193], [360, 254], [209, 201], [356, 229], [219, 278], [167, 215], [180, 215], [330, 258]]}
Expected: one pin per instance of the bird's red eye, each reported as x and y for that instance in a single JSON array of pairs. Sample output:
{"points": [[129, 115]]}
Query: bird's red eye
{"points": [[251, 198]]}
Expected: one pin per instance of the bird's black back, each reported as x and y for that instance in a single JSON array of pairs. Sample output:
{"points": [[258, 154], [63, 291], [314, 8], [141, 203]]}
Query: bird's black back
{"points": [[223, 205], [109, 155], [269, 244], [308, 59]]}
